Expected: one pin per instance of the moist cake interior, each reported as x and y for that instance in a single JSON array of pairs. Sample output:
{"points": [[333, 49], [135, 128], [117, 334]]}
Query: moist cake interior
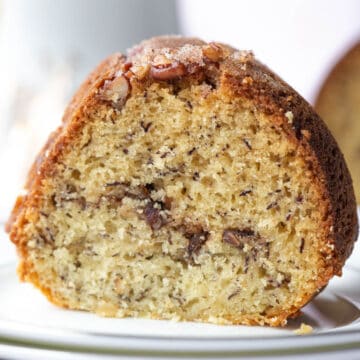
{"points": [[182, 205]]}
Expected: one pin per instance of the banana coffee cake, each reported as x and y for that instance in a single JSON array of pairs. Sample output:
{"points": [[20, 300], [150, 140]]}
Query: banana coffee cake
{"points": [[189, 182]]}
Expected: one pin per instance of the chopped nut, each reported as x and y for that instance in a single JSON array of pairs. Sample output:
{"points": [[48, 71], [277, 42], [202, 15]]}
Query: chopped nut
{"points": [[213, 52], [237, 237], [126, 66], [162, 60], [140, 71], [116, 91], [196, 241], [167, 202], [153, 216], [230, 237], [165, 72]]}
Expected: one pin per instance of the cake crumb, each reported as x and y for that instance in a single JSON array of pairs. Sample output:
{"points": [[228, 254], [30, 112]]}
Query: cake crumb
{"points": [[304, 329]]}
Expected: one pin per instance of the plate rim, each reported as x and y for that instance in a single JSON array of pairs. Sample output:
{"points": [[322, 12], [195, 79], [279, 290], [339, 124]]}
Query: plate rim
{"points": [[199, 353], [181, 346]]}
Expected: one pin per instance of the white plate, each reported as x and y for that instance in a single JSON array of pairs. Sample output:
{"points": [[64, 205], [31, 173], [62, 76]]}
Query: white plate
{"points": [[30, 327]]}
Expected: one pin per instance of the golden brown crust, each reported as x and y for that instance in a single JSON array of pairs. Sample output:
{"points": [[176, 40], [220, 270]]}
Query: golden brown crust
{"points": [[237, 74]]}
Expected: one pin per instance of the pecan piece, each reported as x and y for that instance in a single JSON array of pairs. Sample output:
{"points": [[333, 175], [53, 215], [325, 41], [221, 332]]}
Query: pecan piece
{"points": [[123, 189], [116, 91], [167, 202], [140, 71], [165, 72], [238, 237], [126, 66], [196, 241], [153, 216], [213, 52]]}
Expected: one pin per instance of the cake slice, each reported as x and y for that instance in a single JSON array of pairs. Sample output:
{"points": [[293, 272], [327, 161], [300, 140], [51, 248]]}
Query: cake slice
{"points": [[187, 182]]}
